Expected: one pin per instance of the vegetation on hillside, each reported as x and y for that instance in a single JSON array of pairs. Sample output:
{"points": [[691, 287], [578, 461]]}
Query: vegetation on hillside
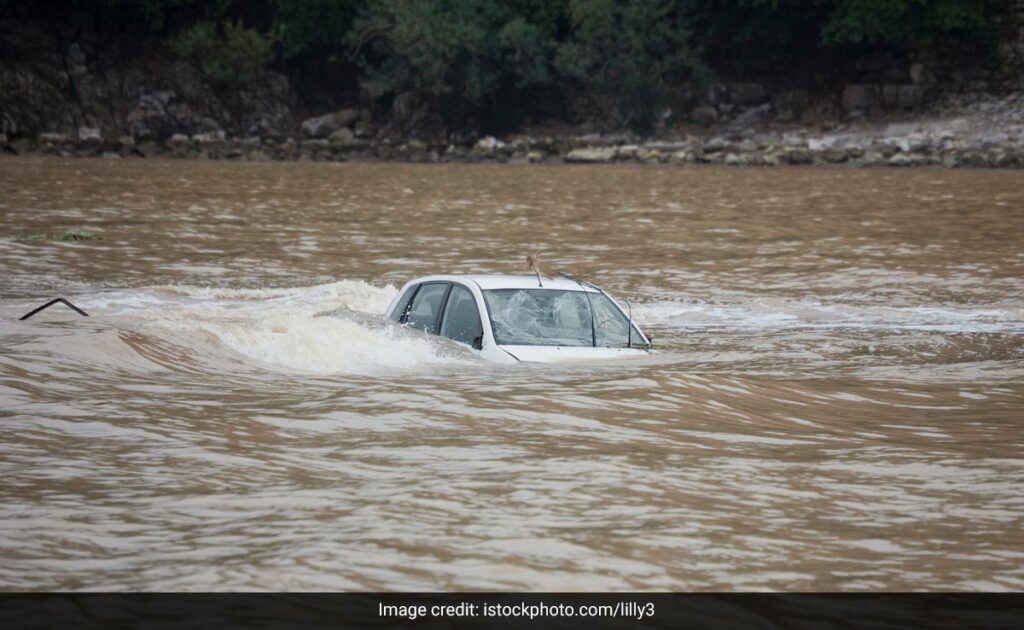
{"points": [[498, 62]]}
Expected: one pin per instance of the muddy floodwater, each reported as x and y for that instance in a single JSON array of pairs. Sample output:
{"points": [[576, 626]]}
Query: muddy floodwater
{"points": [[836, 400]]}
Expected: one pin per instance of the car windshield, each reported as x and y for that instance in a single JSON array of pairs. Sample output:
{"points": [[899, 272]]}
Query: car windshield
{"points": [[554, 317]]}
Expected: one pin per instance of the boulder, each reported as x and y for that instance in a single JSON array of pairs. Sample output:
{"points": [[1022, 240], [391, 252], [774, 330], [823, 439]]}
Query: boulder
{"points": [[900, 159], [53, 138], [714, 144], [648, 156], [488, 144], [910, 96], [890, 95], [323, 126], [626, 151], [90, 136], [747, 93], [342, 137], [791, 105], [920, 74], [364, 129], [799, 156], [835, 155], [534, 157], [704, 115], [682, 157], [178, 140], [590, 155], [209, 138], [860, 98]]}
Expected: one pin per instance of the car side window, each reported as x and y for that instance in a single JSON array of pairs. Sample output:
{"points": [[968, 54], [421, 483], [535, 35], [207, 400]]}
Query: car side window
{"points": [[426, 306], [403, 303], [461, 321]]}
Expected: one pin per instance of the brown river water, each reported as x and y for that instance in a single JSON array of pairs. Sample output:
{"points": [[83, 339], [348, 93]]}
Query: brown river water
{"points": [[836, 400]]}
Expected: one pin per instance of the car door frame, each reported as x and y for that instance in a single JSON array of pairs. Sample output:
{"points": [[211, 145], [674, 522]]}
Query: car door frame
{"points": [[444, 309], [490, 348], [404, 317]]}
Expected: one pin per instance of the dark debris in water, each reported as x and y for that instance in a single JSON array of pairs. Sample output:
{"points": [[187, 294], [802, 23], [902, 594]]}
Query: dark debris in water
{"points": [[66, 235]]}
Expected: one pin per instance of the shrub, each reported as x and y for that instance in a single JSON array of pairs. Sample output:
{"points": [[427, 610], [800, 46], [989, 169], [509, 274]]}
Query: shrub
{"points": [[230, 56]]}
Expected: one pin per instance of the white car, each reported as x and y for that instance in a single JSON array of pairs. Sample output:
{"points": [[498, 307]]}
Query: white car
{"points": [[521, 318]]}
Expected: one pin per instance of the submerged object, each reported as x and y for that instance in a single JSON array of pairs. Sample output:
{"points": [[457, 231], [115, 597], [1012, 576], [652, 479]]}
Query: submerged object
{"points": [[510, 318], [51, 303]]}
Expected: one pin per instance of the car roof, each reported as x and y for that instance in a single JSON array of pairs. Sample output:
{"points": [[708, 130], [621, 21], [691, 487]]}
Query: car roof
{"points": [[508, 281]]}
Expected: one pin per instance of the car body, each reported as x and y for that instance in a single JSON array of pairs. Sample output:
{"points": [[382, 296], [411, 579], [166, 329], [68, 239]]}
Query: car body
{"points": [[512, 318]]}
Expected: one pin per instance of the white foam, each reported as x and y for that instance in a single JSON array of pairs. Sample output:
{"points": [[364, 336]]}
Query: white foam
{"points": [[771, 313], [321, 345], [277, 328]]}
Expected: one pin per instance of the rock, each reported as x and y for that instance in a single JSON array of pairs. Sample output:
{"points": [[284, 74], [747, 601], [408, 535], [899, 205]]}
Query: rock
{"points": [[534, 157], [682, 157], [920, 74], [791, 105], [714, 144], [53, 138], [364, 129], [890, 95], [798, 156], [8, 126], [751, 116], [704, 115], [860, 98], [342, 137], [90, 136], [747, 93], [732, 159], [126, 142], [900, 159], [210, 138], [157, 115], [835, 155], [648, 156], [910, 96], [110, 155], [626, 151], [323, 126], [178, 140], [488, 144], [590, 155]]}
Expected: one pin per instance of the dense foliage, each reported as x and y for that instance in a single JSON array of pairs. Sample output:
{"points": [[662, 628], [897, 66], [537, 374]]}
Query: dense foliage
{"points": [[498, 61]]}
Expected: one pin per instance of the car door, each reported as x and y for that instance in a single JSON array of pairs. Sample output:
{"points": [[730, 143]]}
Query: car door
{"points": [[461, 319], [425, 310]]}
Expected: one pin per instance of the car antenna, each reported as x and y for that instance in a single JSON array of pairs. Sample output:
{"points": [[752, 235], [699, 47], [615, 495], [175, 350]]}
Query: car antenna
{"points": [[629, 332], [533, 264]]}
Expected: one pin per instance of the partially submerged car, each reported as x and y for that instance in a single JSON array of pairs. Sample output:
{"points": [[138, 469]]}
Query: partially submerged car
{"points": [[509, 318]]}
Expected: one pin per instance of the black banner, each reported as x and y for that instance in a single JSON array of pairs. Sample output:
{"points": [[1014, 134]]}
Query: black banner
{"points": [[503, 610]]}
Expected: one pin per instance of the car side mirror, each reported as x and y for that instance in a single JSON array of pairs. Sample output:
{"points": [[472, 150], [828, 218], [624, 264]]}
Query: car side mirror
{"points": [[478, 343]]}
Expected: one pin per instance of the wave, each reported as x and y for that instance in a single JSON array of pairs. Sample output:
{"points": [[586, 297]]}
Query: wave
{"points": [[330, 328]]}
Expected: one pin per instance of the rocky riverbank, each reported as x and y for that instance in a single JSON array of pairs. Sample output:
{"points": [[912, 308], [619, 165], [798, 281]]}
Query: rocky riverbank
{"points": [[80, 98], [961, 131]]}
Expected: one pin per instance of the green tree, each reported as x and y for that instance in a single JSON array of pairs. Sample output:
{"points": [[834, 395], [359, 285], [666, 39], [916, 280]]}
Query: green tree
{"points": [[487, 55], [228, 56], [314, 26], [903, 22], [629, 54]]}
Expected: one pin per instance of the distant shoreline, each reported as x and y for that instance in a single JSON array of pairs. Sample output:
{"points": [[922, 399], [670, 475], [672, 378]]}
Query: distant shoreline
{"points": [[980, 131]]}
